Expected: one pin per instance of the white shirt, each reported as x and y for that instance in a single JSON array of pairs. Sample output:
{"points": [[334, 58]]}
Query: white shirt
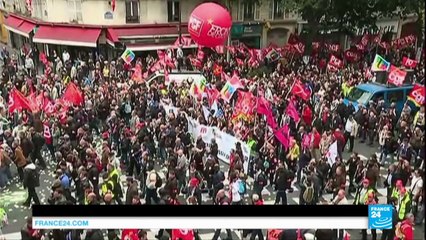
{"points": [[348, 126], [416, 185], [236, 197], [65, 56]]}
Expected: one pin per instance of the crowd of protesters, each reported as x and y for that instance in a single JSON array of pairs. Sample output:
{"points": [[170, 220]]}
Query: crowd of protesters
{"points": [[121, 129]]}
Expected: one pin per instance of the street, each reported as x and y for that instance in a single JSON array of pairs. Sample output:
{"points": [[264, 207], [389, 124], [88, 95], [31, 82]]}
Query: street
{"points": [[12, 200]]}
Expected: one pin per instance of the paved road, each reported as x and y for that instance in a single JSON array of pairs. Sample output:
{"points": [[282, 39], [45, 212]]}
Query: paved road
{"points": [[13, 199]]}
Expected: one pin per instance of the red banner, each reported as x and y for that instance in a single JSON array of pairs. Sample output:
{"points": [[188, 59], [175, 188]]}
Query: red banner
{"points": [[351, 56], [17, 101], [301, 91], [409, 63], [396, 76], [299, 47], [417, 95], [335, 62], [333, 47], [73, 95]]}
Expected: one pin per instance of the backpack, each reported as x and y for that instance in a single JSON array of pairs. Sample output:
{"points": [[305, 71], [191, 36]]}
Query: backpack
{"points": [[261, 179], [242, 188], [308, 194]]}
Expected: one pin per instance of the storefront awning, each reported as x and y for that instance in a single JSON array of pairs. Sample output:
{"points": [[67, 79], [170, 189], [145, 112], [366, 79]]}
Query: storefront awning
{"points": [[64, 35], [153, 47], [150, 31], [19, 26], [111, 37]]}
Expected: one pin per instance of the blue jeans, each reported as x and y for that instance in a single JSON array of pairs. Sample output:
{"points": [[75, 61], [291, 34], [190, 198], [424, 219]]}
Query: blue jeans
{"points": [[4, 176]]}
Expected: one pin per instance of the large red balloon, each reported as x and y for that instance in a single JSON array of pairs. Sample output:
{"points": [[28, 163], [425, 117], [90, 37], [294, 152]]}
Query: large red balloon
{"points": [[209, 24]]}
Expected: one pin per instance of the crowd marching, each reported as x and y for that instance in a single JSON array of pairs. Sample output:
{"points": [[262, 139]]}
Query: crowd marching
{"points": [[281, 116]]}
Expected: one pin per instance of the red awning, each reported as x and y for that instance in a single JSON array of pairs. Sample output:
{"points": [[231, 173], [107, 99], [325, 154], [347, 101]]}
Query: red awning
{"points": [[150, 31], [138, 47], [19, 26], [111, 37], [64, 35]]}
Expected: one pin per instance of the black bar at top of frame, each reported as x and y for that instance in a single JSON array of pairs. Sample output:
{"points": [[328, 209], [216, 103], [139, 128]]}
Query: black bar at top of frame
{"points": [[200, 211]]}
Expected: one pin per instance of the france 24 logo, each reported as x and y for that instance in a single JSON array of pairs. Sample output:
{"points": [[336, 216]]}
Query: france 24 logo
{"points": [[380, 216]]}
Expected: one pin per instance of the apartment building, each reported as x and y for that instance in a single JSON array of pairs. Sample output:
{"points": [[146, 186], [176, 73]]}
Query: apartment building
{"points": [[142, 25]]}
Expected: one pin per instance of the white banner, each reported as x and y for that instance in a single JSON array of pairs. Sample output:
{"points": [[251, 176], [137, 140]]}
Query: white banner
{"points": [[225, 142]]}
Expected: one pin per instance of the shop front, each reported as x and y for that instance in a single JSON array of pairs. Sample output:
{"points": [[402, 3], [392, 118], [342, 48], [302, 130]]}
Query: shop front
{"points": [[250, 34], [20, 29]]}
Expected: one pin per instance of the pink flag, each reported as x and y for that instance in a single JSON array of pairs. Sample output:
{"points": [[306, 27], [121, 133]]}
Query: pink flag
{"points": [[263, 106], [292, 112], [283, 135]]}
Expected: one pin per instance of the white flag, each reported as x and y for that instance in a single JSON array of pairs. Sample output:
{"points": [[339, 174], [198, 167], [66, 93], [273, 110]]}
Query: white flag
{"points": [[332, 153]]}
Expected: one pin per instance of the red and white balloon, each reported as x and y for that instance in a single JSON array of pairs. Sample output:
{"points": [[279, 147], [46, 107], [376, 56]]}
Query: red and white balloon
{"points": [[209, 24]]}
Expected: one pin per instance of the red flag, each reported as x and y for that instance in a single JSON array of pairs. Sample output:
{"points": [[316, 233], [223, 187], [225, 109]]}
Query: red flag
{"points": [[168, 62], [137, 73], [360, 47], [301, 91], [48, 107], [220, 49], [417, 95], [17, 101], [200, 54], [245, 105], [351, 56], [409, 63], [299, 47], [231, 49], [333, 47], [73, 95], [335, 62], [182, 234], [263, 106], [292, 112], [113, 5], [396, 76], [283, 135], [234, 80], [217, 70], [156, 66], [212, 94], [347, 236], [377, 38], [410, 39]]}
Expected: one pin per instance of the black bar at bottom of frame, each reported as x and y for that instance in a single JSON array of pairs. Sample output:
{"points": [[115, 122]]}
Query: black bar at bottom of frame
{"points": [[200, 211]]}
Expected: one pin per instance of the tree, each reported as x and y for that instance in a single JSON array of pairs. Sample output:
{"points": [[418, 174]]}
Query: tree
{"points": [[347, 15]]}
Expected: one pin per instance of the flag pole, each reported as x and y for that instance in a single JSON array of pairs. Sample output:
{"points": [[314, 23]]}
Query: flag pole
{"points": [[291, 88]]}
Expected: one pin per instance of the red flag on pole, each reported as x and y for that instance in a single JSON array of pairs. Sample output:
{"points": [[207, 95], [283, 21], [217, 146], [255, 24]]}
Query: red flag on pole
{"points": [[410, 63], [417, 95], [283, 136], [301, 91], [396, 76], [291, 111], [73, 95], [17, 101]]}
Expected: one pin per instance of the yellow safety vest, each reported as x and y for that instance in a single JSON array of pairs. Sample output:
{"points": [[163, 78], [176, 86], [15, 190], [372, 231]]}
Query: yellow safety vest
{"points": [[395, 192], [363, 198], [403, 206], [105, 189], [114, 173]]}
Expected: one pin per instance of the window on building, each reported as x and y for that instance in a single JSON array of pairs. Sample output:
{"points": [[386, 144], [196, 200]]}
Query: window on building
{"points": [[248, 11], [173, 10], [278, 10], [132, 11], [74, 9]]}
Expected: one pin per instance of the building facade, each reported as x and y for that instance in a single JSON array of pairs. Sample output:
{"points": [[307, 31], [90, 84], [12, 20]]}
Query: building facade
{"points": [[138, 23]]}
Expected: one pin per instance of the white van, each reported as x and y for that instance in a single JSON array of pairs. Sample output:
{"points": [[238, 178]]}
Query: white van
{"points": [[176, 77]]}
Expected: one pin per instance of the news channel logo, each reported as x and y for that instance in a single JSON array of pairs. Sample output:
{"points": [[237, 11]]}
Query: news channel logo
{"points": [[380, 216]]}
